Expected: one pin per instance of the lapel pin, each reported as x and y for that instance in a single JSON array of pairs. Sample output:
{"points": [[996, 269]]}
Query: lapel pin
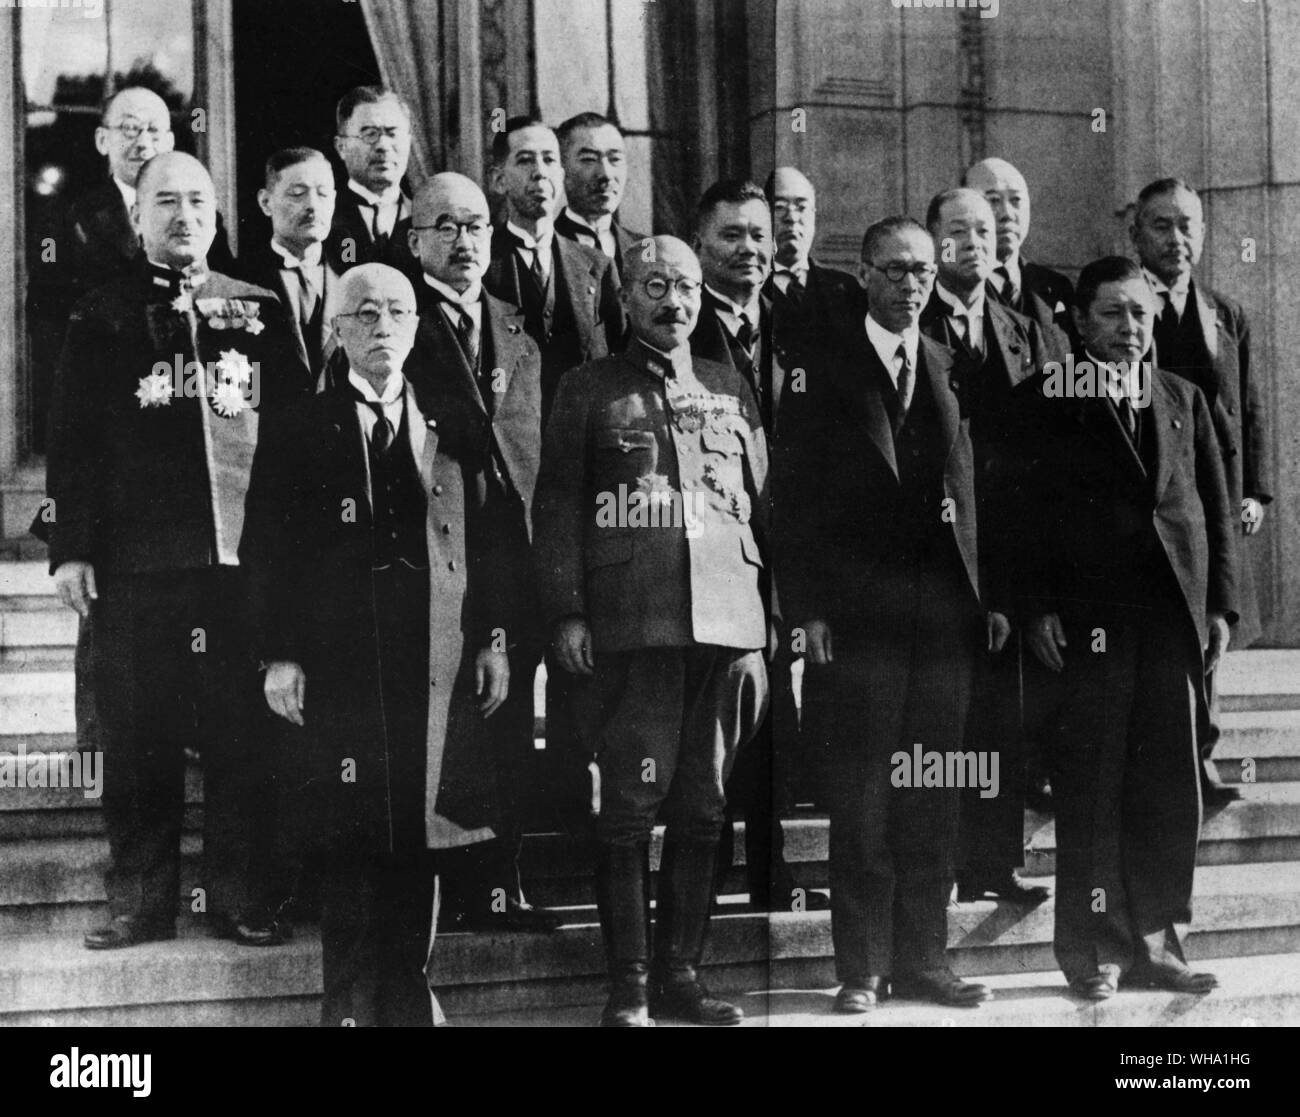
{"points": [[1178, 424]]}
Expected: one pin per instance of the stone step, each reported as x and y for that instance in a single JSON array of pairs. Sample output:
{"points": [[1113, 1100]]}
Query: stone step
{"points": [[25, 578], [1270, 739], [1239, 913], [1260, 991]]}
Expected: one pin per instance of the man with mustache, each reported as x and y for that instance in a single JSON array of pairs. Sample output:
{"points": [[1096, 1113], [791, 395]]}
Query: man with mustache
{"points": [[734, 241], [299, 198], [1127, 575], [875, 528], [475, 367], [1204, 336], [148, 470], [1006, 352], [372, 214], [660, 617], [594, 156]]}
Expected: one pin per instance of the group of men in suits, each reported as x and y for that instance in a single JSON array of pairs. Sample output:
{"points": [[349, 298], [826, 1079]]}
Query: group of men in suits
{"points": [[377, 478]]}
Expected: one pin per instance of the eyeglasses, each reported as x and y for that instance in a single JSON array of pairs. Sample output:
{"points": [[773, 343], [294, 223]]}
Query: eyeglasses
{"points": [[369, 316], [781, 207], [657, 287], [372, 134], [895, 272], [449, 231], [132, 132]]}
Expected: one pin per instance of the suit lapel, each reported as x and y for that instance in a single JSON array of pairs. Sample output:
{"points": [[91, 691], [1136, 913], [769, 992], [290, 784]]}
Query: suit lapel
{"points": [[864, 388], [424, 440], [937, 368], [1166, 419], [578, 278], [1101, 420], [1012, 344], [290, 300], [504, 327], [1209, 320]]}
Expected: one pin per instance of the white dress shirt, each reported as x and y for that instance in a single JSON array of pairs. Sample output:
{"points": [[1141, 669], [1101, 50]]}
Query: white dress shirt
{"points": [[539, 246], [970, 319], [730, 311], [602, 227], [470, 302], [391, 399], [1177, 295], [388, 205], [886, 342]]}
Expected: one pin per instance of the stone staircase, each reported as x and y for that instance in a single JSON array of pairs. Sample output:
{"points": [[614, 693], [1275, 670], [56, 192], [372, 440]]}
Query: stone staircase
{"points": [[53, 852]]}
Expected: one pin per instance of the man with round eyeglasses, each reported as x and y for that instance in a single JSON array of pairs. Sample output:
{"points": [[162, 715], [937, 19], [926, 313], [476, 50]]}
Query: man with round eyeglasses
{"points": [[651, 516]]}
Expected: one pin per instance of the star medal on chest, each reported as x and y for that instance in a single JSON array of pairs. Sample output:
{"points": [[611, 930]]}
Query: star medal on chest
{"points": [[232, 379]]}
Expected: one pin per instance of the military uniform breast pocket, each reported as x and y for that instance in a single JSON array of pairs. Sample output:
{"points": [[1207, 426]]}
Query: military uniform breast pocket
{"points": [[625, 454]]}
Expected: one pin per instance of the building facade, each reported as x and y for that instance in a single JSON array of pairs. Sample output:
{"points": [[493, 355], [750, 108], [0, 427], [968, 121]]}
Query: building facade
{"points": [[881, 104]]}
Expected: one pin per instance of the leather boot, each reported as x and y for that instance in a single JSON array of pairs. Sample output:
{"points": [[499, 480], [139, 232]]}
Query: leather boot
{"points": [[622, 897], [685, 900]]}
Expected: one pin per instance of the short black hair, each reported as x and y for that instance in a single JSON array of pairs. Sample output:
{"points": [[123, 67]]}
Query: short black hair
{"points": [[886, 227], [365, 95], [1109, 269], [288, 157], [1159, 188], [501, 140], [935, 209], [583, 120], [734, 191]]}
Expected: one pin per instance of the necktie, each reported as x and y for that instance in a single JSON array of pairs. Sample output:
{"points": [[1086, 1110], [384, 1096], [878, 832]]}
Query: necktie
{"points": [[307, 296], [906, 381], [381, 237], [1010, 293], [381, 434], [1166, 332], [1129, 415], [467, 332], [539, 272], [745, 335]]}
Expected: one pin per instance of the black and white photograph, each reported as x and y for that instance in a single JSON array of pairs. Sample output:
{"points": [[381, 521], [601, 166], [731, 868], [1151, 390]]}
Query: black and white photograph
{"points": [[651, 513]]}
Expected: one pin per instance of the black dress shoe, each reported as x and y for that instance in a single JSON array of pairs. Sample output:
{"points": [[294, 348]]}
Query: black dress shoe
{"points": [[251, 932], [518, 916], [1009, 887], [942, 987], [854, 999], [691, 1001], [126, 930], [628, 1005], [1171, 974], [1099, 986]]}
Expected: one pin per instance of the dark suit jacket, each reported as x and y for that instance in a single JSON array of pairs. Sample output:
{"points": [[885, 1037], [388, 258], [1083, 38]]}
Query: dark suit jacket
{"points": [[1042, 291], [586, 283], [668, 584], [499, 452], [351, 240], [624, 240], [312, 603], [1003, 397], [131, 483], [833, 539], [1098, 505], [262, 266], [711, 341], [833, 302]]}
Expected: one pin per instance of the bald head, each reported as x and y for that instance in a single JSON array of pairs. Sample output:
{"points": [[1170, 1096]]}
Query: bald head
{"points": [[1005, 190], [376, 349], [451, 230], [135, 127], [175, 211], [794, 215], [661, 291]]}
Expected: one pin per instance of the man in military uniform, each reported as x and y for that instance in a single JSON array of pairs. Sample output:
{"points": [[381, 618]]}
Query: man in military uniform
{"points": [[650, 519], [153, 429]]}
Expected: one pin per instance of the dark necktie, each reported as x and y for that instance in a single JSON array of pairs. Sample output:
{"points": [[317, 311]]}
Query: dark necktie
{"points": [[381, 434], [906, 381], [539, 275], [380, 238], [1010, 292], [467, 333], [1166, 332], [1128, 414], [745, 336]]}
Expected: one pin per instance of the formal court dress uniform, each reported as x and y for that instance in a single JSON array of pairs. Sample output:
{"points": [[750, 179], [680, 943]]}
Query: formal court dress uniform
{"points": [[148, 468], [361, 545], [1131, 544], [876, 534], [677, 619]]}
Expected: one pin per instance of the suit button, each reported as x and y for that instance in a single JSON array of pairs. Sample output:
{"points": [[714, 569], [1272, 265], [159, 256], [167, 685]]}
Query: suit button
{"points": [[393, 534], [433, 683], [446, 529], [437, 490], [1232, 410]]}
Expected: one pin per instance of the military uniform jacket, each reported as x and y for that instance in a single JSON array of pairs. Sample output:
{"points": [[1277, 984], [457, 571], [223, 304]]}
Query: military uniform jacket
{"points": [[144, 478], [652, 505]]}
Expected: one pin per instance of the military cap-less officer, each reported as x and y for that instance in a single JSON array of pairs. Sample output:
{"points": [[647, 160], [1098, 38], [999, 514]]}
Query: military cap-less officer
{"points": [[650, 516]]}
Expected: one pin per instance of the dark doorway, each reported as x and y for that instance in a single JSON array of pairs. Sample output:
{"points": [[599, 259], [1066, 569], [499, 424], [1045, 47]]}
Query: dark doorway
{"points": [[293, 60]]}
